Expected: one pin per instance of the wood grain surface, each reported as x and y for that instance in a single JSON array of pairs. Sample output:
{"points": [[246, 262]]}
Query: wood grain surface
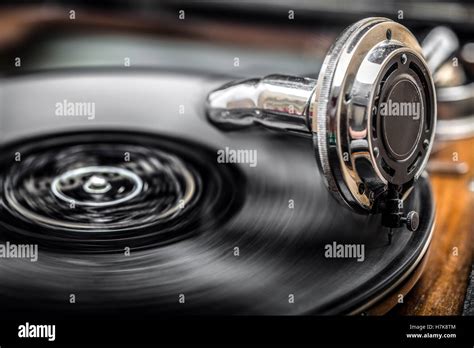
{"points": [[442, 286]]}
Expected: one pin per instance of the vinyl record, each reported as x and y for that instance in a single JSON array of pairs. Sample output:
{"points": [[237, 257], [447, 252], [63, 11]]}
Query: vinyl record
{"points": [[134, 213]]}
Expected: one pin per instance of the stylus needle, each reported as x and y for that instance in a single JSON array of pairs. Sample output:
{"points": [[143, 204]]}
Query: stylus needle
{"points": [[390, 234]]}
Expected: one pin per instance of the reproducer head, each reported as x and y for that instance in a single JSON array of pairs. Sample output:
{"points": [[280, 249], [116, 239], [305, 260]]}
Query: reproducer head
{"points": [[372, 113]]}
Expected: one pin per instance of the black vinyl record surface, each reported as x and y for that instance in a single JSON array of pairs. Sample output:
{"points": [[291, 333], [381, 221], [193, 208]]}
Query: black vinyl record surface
{"points": [[199, 236]]}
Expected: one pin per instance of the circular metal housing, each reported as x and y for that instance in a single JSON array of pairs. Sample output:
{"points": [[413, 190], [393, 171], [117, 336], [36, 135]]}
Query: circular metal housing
{"points": [[373, 113]]}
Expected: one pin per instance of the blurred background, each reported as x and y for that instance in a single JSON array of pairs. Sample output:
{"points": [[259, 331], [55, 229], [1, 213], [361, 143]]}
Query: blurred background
{"points": [[240, 39]]}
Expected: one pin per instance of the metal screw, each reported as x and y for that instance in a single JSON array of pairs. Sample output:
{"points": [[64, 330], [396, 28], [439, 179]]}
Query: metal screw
{"points": [[426, 144], [376, 152], [404, 58], [412, 220]]}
